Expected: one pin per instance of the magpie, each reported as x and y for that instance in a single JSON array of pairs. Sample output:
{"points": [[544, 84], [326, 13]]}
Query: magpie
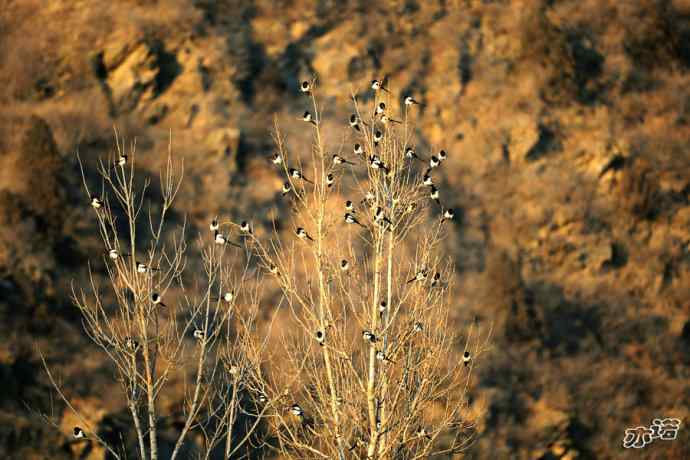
{"points": [[214, 226], [433, 162], [381, 108], [466, 358], [419, 276], [381, 356], [418, 327], [296, 410], [330, 180], [143, 268], [427, 180], [349, 206], [436, 280], [448, 214], [337, 160], [156, 299], [305, 87], [344, 265], [122, 161], [369, 336], [320, 337], [442, 155], [96, 202], [308, 118], [385, 119], [378, 137], [78, 433], [113, 254], [286, 188], [245, 227], [410, 153], [276, 159], [435, 195], [409, 100], [359, 150], [273, 269], [199, 334]]}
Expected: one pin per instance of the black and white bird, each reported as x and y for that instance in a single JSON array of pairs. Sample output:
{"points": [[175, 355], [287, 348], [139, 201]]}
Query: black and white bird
{"points": [[369, 336], [378, 137], [214, 225], [376, 163], [418, 327], [448, 214], [355, 122], [409, 101], [273, 270], [383, 306], [122, 161], [131, 344], [436, 280], [297, 174], [344, 265], [380, 216], [276, 159], [78, 433], [435, 195], [349, 206], [156, 299], [286, 188], [350, 219], [358, 149], [369, 196], [422, 433], [381, 356], [228, 297], [262, 398], [302, 234], [338, 160], [385, 119], [427, 180], [330, 180], [442, 156], [143, 268], [296, 410], [199, 334], [221, 239], [434, 162], [419, 276], [466, 358], [96, 202], [113, 254], [305, 87], [245, 227], [381, 108], [377, 85], [320, 336], [410, 154], [306, 116]]}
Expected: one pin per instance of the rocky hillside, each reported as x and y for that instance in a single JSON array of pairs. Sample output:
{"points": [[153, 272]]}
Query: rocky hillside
{"points": [[567, 124]]}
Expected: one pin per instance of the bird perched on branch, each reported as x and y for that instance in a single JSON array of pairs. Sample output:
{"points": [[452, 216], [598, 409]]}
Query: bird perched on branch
{"points": [[338, 160], [276, 159], [78, 433], [378, 85], [302, 234], [245, 227], [419, 276], [409, 101], [350, 219], [113, 254], [378, 137], [305, 87], [96, 203], [381, 356], [157, 300], [297, 174], [214, 226], [122, 160], [306, 116], [410, 153], [369, 336], [466, 358]]}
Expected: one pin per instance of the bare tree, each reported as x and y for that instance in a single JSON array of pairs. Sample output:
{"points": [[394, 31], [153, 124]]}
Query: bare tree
{"points": [[154, 326], [375, 367]]}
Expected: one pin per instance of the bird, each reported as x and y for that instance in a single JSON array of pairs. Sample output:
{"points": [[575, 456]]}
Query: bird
{"points": [[378, 137], [369, 196], [344, 265], [330, 180], [276, 159], [383, 306], [96, 202], [418, 327], [338, 160], [157, 300], [233, 369], [411, 207], [376, 163], [305, 87], [355, 121], [381, 108], [222, 239], [422, 433], [199, 334], [369, 336], [122, 160], [385, 119], [381, 356], [262, 398], [410, 153], [78, 433], [214, 226], [436, 280], [227, 297], [306, 116], [349, 206], [466, 358], [131, 343], [377, 85], [320, 337], [435, 195], [297, 174], [359, 150], [302, 234], [286, 188], [419, 276], [379, 216], [113, 254], [448, 214], [442, 155], [409, 100], [350, 219], [143, 268], [296, 410], [245, 227], [433, 162], [273, 269]]}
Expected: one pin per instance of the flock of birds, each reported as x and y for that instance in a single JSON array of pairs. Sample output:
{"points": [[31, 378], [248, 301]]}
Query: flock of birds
{"points": [[374, 162]]}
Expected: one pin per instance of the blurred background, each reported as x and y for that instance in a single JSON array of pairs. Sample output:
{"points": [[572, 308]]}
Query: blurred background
{"points": [[566, 122]]}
